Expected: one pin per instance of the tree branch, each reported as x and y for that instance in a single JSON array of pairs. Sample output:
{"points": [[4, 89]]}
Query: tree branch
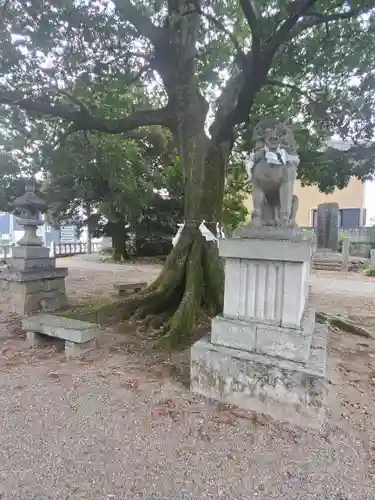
{"points": [[256, 77], [316, 19], [219, 25], [140, 21], [290, 86], [81, 120], [253, 17], [296, 9]]}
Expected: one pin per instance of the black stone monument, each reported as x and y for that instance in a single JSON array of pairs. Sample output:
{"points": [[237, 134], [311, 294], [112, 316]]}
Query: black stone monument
{"points": [[327, 227]]}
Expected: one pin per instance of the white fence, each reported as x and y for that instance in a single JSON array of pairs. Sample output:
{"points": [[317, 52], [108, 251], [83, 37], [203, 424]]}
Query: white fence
{"points": [[67, 249], [56, 249], [5, 252]]}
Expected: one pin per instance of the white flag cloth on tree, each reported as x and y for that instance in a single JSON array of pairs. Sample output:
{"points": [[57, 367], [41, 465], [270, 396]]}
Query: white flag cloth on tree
{"points": [[206, 233]]}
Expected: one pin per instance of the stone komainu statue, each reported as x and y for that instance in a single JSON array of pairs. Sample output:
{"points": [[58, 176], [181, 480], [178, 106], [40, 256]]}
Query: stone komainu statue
{"points": [[273, 168]]}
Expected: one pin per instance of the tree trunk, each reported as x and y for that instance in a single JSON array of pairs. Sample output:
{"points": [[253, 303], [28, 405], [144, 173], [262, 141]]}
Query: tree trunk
{"points": [[89, 241], [119, 241], [190, 286]]}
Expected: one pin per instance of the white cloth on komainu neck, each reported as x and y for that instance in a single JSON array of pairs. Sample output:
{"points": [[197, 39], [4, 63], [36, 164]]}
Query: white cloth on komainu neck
{"points": [[278, 157]]}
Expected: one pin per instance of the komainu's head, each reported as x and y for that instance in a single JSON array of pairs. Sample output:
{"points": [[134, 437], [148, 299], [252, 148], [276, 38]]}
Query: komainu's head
{"points": [[273, 133]]}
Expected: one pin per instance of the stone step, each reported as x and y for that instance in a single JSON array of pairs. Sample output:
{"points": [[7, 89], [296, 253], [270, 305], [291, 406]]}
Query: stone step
{"points": [[326, 266]]}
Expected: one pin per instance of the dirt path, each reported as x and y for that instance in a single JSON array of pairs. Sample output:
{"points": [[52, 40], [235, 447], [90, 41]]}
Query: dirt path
{"points": [[121, 424], [331, 285], [328, 283]]}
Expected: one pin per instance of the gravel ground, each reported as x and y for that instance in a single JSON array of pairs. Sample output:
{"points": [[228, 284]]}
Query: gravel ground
{"points": [[121, 423]]}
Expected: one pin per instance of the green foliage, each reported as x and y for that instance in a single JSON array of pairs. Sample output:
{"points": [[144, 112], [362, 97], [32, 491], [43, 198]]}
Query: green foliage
{"points": [[237, 190], [370, 271], [158, 221], [75, 77]]}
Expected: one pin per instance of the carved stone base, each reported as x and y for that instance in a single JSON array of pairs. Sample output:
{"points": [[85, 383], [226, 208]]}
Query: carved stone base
{"points": [[269, 233], [266, 338], [30, 292], [286, 390]]}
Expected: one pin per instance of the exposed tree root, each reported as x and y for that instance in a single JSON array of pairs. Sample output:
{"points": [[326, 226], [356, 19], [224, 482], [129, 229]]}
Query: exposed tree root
{"points": [[344, 324], [187, 313], [213, 277], [189, 288]]}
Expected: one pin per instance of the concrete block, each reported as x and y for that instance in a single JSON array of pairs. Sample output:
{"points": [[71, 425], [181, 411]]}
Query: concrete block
{"points": [[30, 297], [68, 329], [27, 252], [235, 333], [345, 253], [372, 256], [269, 233], [32, 264], [266, 290], [271, 339], [35, 274], [286, 390], [34, 339], [261, 249], [326, 259], [74, 350]]}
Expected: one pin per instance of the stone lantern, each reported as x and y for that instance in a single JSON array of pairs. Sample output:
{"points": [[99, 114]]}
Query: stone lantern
{"points": [[32, 281], [28, 208]]}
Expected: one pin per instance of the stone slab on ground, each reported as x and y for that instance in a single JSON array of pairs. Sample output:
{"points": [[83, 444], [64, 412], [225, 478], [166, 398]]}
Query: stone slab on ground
{"points": [[266, 338], [71, 330], [286, 390], [129, 287]]}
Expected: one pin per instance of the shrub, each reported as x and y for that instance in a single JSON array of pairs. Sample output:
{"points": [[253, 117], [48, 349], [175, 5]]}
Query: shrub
{"points": [[107, 250], [370, 271]]}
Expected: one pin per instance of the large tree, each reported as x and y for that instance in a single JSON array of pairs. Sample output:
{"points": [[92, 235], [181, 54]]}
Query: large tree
{"points": [[317, 54]]}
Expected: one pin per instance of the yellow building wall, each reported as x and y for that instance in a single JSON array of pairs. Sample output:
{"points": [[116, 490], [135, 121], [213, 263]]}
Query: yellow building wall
{"points": [[353, 196]]}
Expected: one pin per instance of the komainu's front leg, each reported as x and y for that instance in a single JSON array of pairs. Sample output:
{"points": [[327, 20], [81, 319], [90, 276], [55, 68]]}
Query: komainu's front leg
{"points": [[286, 196], [294, 209], [258, 200], [268, 213], [286, 193]]}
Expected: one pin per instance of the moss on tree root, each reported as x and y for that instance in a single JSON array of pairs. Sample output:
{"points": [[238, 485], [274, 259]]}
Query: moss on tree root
{"points": [[189, 287]]}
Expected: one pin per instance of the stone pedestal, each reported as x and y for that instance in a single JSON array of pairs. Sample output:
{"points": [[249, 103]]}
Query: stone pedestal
{"points": [[327, 260], [30, 291], [265, 352], [372, 258]]}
